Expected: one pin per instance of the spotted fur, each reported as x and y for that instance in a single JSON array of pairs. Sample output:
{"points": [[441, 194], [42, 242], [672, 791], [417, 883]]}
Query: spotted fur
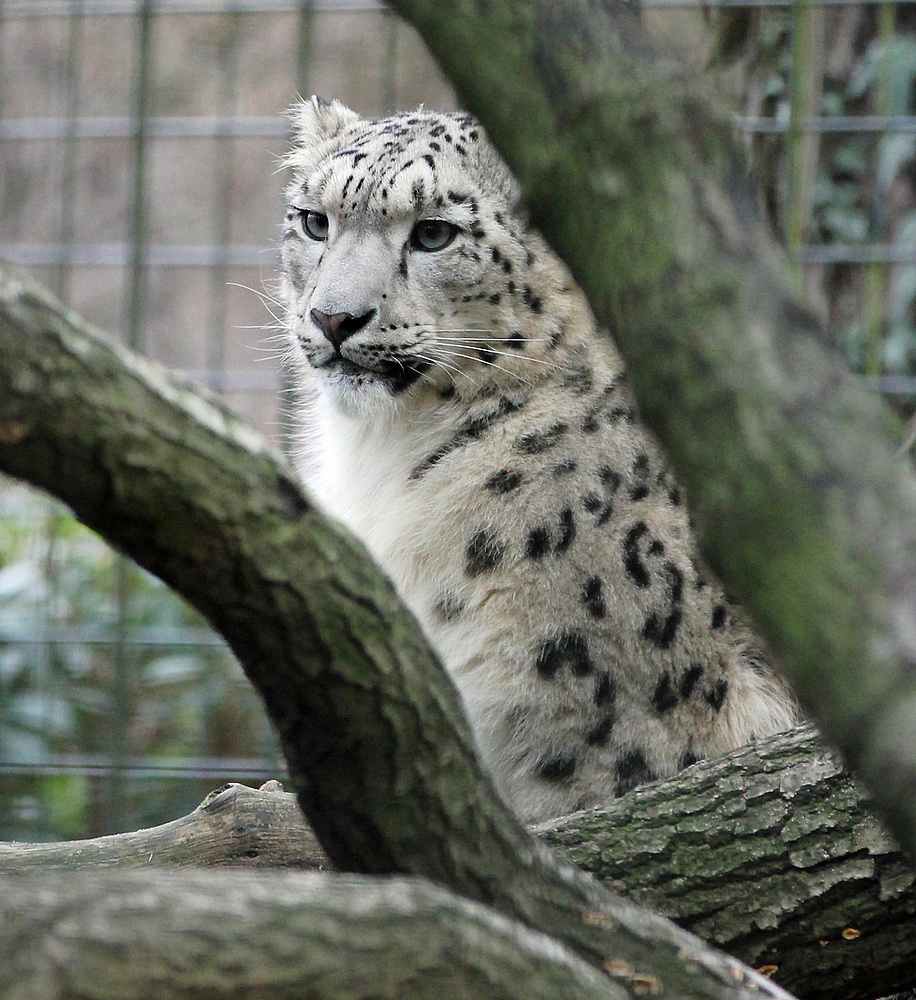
{"points": [[463, 417]]}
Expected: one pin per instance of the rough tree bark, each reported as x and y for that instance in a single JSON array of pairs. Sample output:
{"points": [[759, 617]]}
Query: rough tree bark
{"points": [[277, 936], [235, 826], [631, 170], [770, 854], [372, 729]]}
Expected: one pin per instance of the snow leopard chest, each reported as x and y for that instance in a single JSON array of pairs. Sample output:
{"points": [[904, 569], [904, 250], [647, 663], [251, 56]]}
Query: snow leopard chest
{"points": [[495, 516]]}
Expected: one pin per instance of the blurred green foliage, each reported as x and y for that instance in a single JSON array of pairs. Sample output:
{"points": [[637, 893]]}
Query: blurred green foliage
{"points": [[100, 666], [865, 186]]}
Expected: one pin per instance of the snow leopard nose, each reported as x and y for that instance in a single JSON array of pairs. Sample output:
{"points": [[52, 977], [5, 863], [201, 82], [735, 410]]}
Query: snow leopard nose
{"points": [[339, 326]]}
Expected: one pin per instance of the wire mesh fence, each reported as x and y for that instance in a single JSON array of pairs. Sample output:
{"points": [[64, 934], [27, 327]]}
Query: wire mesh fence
{"points": [[138, 179], [139, 142]]}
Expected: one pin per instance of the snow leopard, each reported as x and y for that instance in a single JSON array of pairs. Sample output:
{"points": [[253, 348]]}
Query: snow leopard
{"points": [[464, 416]]}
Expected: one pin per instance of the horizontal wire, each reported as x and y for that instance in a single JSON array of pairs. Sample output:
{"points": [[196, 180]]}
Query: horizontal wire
{"points": [[63, 8], [853, 253], [265, 126], [127, 127], [121, 255], [832, 124], [100, 635], [90, 765], [165, 255], [70, 8], [712, 4]]}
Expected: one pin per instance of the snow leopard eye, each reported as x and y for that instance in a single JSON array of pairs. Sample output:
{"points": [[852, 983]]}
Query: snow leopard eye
{"points": [[315, 225], [432, 234]]}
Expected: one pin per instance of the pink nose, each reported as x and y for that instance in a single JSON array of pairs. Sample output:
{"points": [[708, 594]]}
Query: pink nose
{"points": [[339, 326]]}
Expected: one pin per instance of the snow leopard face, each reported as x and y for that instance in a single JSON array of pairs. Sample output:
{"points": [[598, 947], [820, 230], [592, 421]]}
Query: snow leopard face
{"points": [[406, 267]]}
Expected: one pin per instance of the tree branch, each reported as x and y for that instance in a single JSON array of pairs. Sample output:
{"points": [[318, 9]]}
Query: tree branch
{"points": [[234, 826], [796, 877], [771, 853], [372, 728], [278, 935], [632, 172]]}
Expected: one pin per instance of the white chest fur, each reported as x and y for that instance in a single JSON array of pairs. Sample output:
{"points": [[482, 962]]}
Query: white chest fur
{"points": [[360, 469]]}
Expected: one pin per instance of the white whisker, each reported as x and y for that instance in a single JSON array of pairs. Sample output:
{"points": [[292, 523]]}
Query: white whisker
{"points": [[475, 354], [494, 340], [438, 363], [266, 300], [426, 377], [263, 296], [510, 354], [491, 364], [452, 370]]}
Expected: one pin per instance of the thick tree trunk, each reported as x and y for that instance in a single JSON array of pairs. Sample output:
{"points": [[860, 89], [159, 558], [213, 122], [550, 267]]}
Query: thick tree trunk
{"points": [[632, 172], [274, 936], [770, 854], [372, 728]]}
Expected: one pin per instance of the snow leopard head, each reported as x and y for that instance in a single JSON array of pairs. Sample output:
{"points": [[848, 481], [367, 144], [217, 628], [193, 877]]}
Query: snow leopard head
{"points": [[406, 265]]}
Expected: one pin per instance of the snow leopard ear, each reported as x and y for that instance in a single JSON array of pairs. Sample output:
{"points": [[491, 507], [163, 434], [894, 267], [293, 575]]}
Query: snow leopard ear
{"points": [[316, 121]]}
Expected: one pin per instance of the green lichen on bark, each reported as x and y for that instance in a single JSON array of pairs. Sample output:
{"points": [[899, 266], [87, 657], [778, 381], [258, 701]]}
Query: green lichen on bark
{"points": [[772, 854]]}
